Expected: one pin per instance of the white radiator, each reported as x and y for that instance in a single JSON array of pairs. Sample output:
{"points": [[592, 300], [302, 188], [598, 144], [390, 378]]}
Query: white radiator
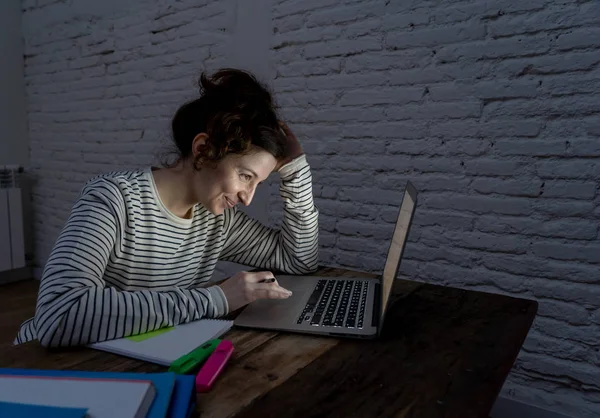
{"points": [[12, 243]]}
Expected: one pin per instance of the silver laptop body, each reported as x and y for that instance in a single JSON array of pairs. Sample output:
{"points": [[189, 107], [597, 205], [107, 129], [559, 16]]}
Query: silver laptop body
{"points": [[336, 306]]}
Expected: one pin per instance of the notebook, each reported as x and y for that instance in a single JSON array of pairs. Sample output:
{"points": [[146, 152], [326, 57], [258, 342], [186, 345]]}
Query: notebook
{"points": [[22, 410], [103, 398], [164, 383], [166, 345]]}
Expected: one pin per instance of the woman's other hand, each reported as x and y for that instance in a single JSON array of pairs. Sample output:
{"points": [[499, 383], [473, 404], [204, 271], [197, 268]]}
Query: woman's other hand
{"points": [[294, 147]]}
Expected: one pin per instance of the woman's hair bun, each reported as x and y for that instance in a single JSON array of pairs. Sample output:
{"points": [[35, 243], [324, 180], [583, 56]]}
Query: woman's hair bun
{"points": [[236, 111], [234, 83]]}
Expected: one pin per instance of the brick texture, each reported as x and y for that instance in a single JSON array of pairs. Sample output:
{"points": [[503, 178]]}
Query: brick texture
{"points": [[101, 92], [492, 110]]}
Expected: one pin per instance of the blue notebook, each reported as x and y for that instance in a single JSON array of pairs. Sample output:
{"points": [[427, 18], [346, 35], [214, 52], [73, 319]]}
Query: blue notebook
{"points": [[164, 383], [183, 400], [21, 410]]}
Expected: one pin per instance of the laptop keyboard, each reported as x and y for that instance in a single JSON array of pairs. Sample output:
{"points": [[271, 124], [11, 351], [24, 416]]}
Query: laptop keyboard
{"points": [[336, 303]]}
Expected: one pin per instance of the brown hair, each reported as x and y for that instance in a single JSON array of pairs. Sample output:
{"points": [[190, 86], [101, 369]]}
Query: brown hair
{"points": [[236, 111]]}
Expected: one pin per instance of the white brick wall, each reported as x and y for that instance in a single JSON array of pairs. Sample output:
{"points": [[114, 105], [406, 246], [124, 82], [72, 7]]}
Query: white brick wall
{"points": [[102, 90], [492, 109]]}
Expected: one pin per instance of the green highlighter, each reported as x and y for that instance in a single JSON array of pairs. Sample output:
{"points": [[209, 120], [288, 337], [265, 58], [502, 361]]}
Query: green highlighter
{"points": [[194, 359]]}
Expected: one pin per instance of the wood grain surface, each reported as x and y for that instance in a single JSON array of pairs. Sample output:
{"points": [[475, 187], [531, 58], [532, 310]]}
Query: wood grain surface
{"points": [[444, 352]]}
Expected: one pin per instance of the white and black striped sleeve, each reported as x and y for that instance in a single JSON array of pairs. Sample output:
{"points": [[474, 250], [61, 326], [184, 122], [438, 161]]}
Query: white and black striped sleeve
{"points": [[74, 305], [294, 248]]}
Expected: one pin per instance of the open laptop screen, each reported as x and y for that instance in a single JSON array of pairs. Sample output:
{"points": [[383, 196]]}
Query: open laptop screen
{"points": [[397, 245]]}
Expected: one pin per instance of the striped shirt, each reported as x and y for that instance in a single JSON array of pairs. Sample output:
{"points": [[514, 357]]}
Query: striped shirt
{"points": [[124, 264]]}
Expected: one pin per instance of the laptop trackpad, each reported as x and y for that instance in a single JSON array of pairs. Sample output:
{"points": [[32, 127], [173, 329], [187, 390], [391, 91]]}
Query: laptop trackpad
{"points": [[272, 312]]}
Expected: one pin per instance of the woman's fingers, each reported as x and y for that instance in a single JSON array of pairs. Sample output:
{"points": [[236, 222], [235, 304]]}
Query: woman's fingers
{"points": [[286, 130], [262, 293], [270, 291]]}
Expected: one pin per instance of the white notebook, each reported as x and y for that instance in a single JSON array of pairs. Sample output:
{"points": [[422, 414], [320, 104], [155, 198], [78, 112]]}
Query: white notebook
{"points": [[103, 398], [166, 345]]}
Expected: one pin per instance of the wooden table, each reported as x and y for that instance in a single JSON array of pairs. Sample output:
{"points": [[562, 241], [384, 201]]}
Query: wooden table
{"points": [[444, 352]]}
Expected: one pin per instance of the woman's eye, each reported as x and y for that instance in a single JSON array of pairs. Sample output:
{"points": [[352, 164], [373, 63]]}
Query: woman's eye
{"points": [[246, 177]]}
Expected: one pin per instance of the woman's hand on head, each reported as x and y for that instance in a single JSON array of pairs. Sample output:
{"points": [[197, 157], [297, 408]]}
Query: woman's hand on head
{"points": [[294, 148], [245, 287]]}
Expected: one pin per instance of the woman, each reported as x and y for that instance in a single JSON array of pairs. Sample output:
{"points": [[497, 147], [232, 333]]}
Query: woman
{"points": [[139, 244]]}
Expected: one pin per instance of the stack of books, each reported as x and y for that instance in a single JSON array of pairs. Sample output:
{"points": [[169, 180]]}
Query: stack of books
{"points": [[76, 394]]}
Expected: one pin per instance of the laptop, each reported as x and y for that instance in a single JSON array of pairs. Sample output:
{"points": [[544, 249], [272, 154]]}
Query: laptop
{"points": [[336, 306]]}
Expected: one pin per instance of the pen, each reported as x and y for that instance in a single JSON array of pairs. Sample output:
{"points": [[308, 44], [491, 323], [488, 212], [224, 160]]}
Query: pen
{"points": [[270, 280]]}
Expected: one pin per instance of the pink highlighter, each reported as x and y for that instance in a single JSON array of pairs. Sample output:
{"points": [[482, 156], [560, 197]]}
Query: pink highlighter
{"points": [[213, 366]]}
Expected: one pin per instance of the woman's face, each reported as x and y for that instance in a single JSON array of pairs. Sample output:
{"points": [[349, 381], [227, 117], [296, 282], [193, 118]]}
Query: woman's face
{"points": [[233, 180]]}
